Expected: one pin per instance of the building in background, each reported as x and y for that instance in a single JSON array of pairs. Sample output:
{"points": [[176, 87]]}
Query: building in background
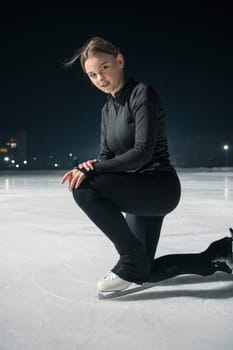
{"points": [[13, 149]]}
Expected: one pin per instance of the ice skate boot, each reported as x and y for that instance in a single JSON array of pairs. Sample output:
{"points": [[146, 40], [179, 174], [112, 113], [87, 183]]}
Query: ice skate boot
{"points": [[111, 283], [222, 251]]}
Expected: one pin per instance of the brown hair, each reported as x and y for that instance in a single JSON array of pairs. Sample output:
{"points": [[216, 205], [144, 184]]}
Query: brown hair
{"points": [[89, 48]]}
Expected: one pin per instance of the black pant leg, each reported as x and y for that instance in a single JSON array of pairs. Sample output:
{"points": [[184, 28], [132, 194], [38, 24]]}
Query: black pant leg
{"points": [[147, 229], [172, 265]]}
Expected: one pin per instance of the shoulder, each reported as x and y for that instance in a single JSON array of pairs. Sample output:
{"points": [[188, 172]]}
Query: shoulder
{"points": [[143, 92], [105, 108]]}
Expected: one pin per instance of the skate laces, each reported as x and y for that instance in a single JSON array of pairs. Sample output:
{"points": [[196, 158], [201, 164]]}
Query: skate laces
{"points": [[110, 276]]}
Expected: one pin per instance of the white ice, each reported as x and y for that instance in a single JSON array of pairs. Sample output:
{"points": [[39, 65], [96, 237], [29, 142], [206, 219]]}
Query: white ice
{"points": [[51, 256]]}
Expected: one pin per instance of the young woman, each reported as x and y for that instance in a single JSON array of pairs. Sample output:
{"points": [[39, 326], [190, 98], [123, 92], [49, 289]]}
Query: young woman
{"points": [[133, 174]]}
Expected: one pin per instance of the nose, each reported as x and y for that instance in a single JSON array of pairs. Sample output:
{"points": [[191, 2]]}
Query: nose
{"points": [[100, 77]]}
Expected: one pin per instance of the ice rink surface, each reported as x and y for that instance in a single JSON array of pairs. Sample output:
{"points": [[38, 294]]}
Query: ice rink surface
{"points": [[51, 256]]}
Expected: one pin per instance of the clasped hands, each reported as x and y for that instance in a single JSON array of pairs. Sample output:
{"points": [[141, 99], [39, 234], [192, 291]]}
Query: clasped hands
{"points": [[75, 176]]}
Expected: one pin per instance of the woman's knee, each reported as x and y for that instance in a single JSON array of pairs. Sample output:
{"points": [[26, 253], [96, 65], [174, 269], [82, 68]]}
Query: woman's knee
{"points": [[81, 195], [104, 183], [97, 187]]}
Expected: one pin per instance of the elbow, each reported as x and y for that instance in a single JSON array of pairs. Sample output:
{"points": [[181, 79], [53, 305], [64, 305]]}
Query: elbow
{"points": [[146, 153]]}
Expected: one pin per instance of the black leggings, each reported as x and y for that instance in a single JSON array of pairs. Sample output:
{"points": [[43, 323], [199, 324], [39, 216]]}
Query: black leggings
{"points": [[145, 199]]}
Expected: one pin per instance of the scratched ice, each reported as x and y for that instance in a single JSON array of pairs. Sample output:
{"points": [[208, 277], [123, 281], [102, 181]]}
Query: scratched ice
{"points": [[52, 255]]}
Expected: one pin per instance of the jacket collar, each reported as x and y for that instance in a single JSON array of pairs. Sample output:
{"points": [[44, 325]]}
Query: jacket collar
{"points": [[122, 94]]}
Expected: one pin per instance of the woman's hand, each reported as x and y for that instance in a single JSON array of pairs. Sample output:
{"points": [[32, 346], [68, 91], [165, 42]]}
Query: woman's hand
{"points": [[75, 178], [88, 164]]}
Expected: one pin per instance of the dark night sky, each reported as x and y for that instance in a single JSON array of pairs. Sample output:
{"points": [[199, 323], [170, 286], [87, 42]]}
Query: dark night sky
{"points": [[186, 54]]}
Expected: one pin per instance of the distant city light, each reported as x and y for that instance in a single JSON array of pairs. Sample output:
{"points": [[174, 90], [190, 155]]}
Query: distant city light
{"points": [[34, 158], [12, 144], [17, 165], [6, 159], [25, 162], [13, 161], [56, 165], [70, 154], [226, 147]]}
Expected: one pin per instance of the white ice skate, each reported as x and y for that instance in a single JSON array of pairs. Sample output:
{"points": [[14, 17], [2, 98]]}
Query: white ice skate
{"points": [[230, 258], [111, 283], [227, 259]]}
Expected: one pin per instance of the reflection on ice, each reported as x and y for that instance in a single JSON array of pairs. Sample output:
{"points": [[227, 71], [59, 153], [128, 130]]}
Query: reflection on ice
{"points": [[226, 188], [7, 184]]}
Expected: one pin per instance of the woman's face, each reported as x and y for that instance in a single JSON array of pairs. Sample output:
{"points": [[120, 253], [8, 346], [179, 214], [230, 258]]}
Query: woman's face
{"points": [[105, 71]]}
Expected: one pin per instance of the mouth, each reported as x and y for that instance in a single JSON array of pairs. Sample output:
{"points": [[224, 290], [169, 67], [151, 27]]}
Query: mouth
{"points": [[104, 85]]}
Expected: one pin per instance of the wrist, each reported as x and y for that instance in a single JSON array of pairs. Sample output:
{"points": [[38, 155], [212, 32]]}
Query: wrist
{"points": [[88, 173]]}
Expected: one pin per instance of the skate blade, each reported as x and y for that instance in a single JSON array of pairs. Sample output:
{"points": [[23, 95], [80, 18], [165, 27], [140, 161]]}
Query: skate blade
{"points": [[120, 293]]}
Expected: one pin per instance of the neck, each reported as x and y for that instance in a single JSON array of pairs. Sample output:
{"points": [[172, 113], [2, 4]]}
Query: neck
{"points": [[122, 83]]}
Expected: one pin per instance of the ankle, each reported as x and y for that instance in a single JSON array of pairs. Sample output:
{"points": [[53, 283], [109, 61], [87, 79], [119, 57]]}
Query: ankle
{"points": [[133, 269]]}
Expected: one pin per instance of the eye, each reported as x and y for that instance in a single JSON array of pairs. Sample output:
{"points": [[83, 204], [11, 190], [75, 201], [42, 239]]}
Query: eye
{"points": [[92, 75], [104, 67]]}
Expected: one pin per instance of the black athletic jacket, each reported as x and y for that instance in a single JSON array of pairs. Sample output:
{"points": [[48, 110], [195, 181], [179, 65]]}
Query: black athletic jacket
{"points": [[133, 132]]}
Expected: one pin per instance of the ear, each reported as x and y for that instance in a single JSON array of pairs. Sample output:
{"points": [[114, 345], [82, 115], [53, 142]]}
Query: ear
{"points": [[120, 59]]}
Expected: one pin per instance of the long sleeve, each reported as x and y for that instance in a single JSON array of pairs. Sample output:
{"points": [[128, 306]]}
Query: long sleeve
{"points": [[145, 109], [104, 152]]}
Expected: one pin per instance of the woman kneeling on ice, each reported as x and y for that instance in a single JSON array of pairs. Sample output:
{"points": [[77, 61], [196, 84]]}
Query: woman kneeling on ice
{"points": [[133, 174]]}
